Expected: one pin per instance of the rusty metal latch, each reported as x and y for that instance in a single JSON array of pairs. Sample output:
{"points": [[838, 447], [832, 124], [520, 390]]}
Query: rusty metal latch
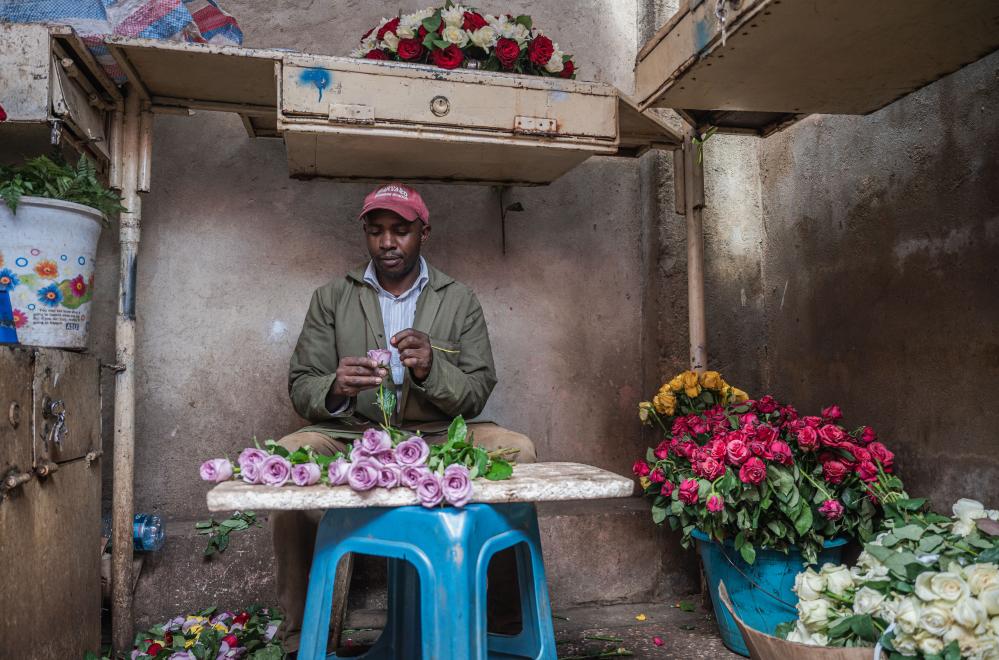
{"points": [[13, 480], [58, 430], [535, 125], [352, 114]]}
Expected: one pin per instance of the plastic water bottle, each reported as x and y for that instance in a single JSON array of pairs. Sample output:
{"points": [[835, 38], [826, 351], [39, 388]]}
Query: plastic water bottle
{"points": [[147, 532]]}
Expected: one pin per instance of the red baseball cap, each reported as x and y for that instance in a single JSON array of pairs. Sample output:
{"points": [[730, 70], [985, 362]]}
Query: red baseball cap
{"points": [[399, 199]]}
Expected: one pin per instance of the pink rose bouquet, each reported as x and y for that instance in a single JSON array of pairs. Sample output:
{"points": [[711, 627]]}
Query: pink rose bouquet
{"points": [[756, 472]]}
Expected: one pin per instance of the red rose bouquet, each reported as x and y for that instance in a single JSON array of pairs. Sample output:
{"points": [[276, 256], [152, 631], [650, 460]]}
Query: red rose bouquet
{"points": [[756, 472], [453, 36]]}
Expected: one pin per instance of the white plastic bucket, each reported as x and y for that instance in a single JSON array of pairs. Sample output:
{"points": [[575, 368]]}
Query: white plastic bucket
{"points": [[47, 272]]}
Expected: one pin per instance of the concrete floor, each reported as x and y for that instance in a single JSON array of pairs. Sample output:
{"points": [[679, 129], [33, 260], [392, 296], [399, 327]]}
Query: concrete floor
{"points": [[595, 632]]}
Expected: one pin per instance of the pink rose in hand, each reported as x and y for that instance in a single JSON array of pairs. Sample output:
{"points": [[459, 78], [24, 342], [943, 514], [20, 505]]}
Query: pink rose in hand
{"points": [[275, 471], [715, 503], [363, 474], [688, 491], [831, 509], [412, 451], [216, 470], [306, 474], [410, 475], [430, 490], [457, 485], [753, 471], [337, 471], [382, 356]]}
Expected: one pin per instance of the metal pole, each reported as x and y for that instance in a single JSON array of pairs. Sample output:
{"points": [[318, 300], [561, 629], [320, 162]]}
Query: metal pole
{"points": [[123, 506], [693, 176]]}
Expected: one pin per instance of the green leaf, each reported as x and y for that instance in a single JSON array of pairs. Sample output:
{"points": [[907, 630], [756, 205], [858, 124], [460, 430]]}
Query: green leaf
{"points": [[686, 606], [428, 41], [748, 553], [803, 522], [899, 562], [203, 524], [524, 20], [441, 43], [658, 514], [909, 532], [432, 23], [862, 626], [952, 651], [740, 540], [930, 543], [456, 432], [499, 470], [912, 504], [386, 399]]}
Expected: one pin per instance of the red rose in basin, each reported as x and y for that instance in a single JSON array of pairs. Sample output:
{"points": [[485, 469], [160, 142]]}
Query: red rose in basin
{"points": [[411, 49], [540, 50], [568, 68], [472, 21], [507, 52], [3, 114], [447, 58], [391, 26], [376, 55]]}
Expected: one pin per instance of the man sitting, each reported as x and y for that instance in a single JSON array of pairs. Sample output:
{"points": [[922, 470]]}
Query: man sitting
{"points": [[441, 366]]}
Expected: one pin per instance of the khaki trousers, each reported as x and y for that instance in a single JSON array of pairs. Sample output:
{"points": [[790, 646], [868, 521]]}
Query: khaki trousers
{"points": [[294, 532]]}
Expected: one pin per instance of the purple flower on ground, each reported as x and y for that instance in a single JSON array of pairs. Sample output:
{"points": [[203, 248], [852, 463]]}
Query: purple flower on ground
{"points": [[337, 472], [306, 474], [217, 470], [275, 470], [430, 490], [457, 486], [250, 473], [410, 475], [382, 356], [386, 457], [412, 451], [363, 475], [271, 630], [374, 441], [388, 476], [251, 455]]}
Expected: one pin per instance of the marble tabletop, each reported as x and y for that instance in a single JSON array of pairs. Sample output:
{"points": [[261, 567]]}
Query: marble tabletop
{"points": [[531, 482]]}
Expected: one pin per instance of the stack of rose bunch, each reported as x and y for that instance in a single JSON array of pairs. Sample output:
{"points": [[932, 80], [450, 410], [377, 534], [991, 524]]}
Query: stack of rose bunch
{"points": [[926, 587], [207, 634], [453, 35], [755, 472], [381, 458]]}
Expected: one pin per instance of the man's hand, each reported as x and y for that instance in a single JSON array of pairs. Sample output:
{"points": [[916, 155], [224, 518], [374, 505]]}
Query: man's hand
{"points": [[415, 352], [356, 374]]}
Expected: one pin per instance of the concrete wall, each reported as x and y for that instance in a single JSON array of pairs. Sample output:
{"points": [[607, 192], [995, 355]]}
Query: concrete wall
{"points": [[881, 267]]}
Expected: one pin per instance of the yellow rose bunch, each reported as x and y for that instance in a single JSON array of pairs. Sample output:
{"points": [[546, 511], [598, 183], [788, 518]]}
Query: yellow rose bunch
{"points": [[664, 402], [691, 384]]}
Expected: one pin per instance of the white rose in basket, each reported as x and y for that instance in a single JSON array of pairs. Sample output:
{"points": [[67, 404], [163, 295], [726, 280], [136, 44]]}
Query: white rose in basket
{"points": [[453, 17], [967, 512], [809, 585], [936, 618], [949, 586], [905, 644], [838, 578], [907, 615], [455, 35], [391, 41], [867, 601], [990, 600], [406, 32], [485, 37], [980, 576], [868, 568], [929, 644], [814, 614]]}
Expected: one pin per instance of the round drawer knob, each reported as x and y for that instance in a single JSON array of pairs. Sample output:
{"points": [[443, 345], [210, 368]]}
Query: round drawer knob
{"points": [[440, 106]]}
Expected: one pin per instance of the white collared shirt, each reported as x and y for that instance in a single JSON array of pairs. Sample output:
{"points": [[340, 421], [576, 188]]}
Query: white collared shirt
{"points": [[398, 312]]}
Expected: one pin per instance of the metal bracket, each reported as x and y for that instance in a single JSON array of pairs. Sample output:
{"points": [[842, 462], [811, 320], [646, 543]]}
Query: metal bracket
{"points": [[352, 114], [535, 125], [57, 432]]}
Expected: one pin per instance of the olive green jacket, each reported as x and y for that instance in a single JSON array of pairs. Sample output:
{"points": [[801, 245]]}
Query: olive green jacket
{"points": [[345, 320]]}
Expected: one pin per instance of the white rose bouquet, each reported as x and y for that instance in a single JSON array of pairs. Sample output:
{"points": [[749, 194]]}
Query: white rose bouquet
{"points": [[926, 587]]}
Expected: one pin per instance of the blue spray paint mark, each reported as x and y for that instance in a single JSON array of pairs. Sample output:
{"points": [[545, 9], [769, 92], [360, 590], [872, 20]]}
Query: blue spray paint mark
{"points": [[703, 34], [559, 96], [321, 78]]}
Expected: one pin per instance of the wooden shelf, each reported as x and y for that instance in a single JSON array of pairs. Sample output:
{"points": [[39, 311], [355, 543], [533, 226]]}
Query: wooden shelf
{"points": [[784, 59]]}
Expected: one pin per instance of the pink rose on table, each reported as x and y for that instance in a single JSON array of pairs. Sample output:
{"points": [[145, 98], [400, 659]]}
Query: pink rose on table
{"points": [[831, 435], [698, 424], [430, 490], [757, 447], [715, 503], [382, 356], [375, 441], [306, 474], [641, 468], [457, 486], [363, 474], [710, 469], [717, 449], [831, 509], [250, 473], [388, 476], [688, 491], [834, 471], [662, 450], [808, 439], [410, 475], [748, 420], [868, 435], [766, 434], [780, 453], [275, 471], [337, 471], [412, 451], [752, 471], [251, 455], [882, 455], [657, 476], [812, 420], [859, 453], [217, 470], [832, 413], [680, 427], [867, 471], [737, 452], [667, 489], [766, 405]]}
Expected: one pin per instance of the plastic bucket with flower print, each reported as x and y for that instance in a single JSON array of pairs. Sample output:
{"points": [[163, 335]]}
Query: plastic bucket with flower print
{"points": [[47, 272], [762, 592]]}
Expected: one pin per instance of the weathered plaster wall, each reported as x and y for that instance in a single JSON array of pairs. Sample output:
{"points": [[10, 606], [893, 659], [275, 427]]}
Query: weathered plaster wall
{"points": [[881, 267]]}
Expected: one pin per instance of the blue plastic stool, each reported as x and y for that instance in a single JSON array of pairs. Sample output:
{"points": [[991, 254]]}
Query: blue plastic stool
{"points": [[436, 580]]}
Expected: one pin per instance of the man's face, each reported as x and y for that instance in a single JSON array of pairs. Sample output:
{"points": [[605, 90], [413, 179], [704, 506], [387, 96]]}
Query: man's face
{"points": [[394, 243]]}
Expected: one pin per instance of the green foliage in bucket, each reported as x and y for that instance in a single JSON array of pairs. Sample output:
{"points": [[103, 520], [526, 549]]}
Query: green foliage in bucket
{"points": [[44, 177]]}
